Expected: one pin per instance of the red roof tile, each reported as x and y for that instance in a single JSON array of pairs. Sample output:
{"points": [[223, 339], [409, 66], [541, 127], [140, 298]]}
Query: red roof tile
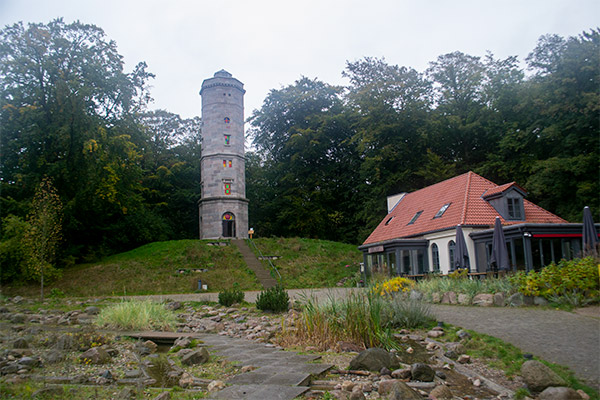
{"points": [[467, 207], [502, 189]]}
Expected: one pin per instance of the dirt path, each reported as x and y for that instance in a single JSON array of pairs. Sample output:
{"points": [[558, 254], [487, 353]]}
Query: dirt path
{"points": [[570, 339]]}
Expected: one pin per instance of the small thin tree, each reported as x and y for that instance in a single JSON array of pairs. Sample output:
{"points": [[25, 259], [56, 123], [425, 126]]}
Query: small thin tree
{"points": [[44, 233]]}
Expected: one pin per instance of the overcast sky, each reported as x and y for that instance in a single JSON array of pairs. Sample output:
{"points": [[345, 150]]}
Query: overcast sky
{"points": [[268, 44]]}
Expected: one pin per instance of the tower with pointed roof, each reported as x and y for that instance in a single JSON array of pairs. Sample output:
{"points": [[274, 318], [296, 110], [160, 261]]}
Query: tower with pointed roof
{"points": [[223, 207]]}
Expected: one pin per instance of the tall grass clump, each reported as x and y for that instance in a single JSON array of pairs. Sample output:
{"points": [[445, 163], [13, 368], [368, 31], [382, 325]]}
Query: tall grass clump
{"points": [[137, 315], [408, 313]]}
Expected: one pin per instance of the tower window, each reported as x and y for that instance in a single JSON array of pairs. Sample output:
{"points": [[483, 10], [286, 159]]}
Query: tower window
{"points": [[226, 120], [227, 189], [227, 163], [227, 140]]}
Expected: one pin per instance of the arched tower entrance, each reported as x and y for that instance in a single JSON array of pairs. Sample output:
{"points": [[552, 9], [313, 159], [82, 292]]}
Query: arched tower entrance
{"points": [[223, 205]]}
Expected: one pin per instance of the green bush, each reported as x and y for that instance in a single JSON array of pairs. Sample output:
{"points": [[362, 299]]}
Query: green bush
{"points": [[274, 299], [575, 281], [228, 297]]}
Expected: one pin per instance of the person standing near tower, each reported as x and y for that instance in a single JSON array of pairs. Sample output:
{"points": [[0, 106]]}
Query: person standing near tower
{"points": [[223, 207]]}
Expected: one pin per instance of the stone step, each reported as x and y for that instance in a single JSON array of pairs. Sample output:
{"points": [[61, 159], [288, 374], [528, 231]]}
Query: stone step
{"points": [[262, 274]]}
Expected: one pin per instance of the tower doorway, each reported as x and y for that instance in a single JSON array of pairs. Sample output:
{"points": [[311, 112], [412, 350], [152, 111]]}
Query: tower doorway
{"points": [[228, 225]]}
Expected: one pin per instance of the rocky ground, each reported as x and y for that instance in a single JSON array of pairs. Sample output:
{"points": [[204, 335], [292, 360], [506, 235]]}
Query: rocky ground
{"points": [[56, 343]]}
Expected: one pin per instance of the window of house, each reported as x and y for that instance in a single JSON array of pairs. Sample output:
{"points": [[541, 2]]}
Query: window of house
{"points": [[451, 248], [227, 188], [442, 210], [389, 220], [514, 208], [435, 257], [227, 140], [414, 219]]}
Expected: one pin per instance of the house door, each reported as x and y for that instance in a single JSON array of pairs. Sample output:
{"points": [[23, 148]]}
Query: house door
{"points": [[228, 225]]}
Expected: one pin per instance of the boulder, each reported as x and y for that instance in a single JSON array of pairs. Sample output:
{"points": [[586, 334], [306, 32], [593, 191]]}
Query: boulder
{"points": [[173, 305], [151, 346], [463, 299], [449, 298], [402, 373], [17, 318], [53, 356], [357, 394], [397, 390], [538, 377], [463, 359], [92, 310], [499, 299], [373, 359], [457, 348], [196, 357], [20, 343], [422, 372], [64, 342], [540, 301], [559, 393], [516, 300], [435, 333], [463, 335], [483, 300], [436, 297], [216, 385], [441, 392], [95, 355]]}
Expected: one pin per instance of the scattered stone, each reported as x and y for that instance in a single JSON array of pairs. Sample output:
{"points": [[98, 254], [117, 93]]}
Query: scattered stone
{"points": [[53, 356], [538, 377], [583, 394], [133, 373], [357, 394], [29, 361], [92, 310], [150, 345], [441, 392], [182, 342], [463, 359], [398, 390], [20, 343], [435, 334], [163, 396], [451, 354], [402, 373], [347, 386], [385, 371], [462, 334], [431, 346], [458, 348], [436, 298], [373, 359], [4, 310], [216, 385], [559, 393], [516, 300], [477, 382], [196, 357], [483, 300], [349, 347], [126, 393], [173, 305], [95, 355], [410, 350], [186, 380], [422, 372], [463, 299], [17, 299], [499, 299], [48, 392], [106, 375], [440, 374], [449, 298]]}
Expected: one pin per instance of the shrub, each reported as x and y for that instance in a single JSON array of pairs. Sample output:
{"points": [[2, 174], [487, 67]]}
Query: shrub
{"points": [[228, 297], [274, 299], [574, 282], [393, 286], [409, 314], [137, 315]]}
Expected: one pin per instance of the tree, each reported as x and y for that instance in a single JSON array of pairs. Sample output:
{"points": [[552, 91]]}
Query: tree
{"points": [[43, 235]]}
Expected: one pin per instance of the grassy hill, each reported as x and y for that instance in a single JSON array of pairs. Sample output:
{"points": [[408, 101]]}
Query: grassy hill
{"points": [[172, 267]]}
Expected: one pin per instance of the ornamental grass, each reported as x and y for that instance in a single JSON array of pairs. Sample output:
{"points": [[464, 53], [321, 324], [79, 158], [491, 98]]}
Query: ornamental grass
{"points": [[137, 315]]}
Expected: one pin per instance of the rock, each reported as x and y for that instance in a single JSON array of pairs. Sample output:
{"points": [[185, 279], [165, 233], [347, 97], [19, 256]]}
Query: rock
{"points": [[347, 386], [182, 342], [20, 343], [349, 347], [540, 301], [106, 374], [151, 346], [463, 299], [385, 371], [431, 346], [133, 373], [398, 390], [126, 394], [435, 334], [216, 385], [373, 359], [402, 373], [173, 305], [449, 298], [422, 372], [499, 299], [477, 382], [92, 310], [356, 394], [163, 396], [516, 300], [186, 380], [18, 318], [196, 357], [463, 359], [110, 350], [538, 377], [440, 392], [436, 298], [4, 310], [583, 394], [95, 355], [49, 392], [17, 299], [53, 356], [440, 374], [451, 354], [483, 300], [457, 348], [462, 334], [559, 393], [29, 361], [64, 342]]}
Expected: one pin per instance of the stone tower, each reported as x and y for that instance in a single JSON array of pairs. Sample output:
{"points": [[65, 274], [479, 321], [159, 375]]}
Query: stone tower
{"points": [[223, 205]]}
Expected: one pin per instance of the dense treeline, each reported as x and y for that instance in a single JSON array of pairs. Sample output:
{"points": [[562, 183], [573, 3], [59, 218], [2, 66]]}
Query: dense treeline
{"points": [[324, 156]]}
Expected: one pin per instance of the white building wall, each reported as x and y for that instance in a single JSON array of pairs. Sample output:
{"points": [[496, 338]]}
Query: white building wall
{"points": [[442, 239]]}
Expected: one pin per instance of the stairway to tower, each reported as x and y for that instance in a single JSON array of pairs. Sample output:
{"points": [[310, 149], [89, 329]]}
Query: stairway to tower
{"points": [[263, 275]]}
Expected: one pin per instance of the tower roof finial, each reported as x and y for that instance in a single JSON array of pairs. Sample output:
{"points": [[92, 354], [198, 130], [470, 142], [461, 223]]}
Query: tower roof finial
{"points": [[222, 73]]}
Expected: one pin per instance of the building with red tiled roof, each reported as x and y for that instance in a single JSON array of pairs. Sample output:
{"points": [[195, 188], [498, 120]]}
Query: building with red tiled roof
{"points": [[418, 234]]}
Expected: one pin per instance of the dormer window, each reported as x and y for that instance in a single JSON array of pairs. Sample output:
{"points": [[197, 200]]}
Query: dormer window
{"points": [[389, 220], [414, 219], [515, 208], [442, 210]]}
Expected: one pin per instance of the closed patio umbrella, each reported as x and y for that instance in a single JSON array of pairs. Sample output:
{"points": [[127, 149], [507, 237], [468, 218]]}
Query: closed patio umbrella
{"points": [[499, 259], [461, 254], [589, 237]]}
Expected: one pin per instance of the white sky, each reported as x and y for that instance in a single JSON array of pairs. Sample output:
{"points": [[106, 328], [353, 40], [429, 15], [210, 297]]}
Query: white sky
{"points": [[268, 44]]}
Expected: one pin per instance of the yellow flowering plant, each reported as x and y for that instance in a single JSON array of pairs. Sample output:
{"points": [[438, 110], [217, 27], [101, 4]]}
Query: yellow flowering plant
{"points": [[394, 286]]}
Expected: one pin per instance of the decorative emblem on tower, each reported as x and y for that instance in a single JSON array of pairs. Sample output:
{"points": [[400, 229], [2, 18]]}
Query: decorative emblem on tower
{"points": [[223, 206]]}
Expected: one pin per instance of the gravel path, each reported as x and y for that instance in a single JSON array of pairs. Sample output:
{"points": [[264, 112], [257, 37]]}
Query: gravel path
{"points": [[570, 339], [561, 337]]}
